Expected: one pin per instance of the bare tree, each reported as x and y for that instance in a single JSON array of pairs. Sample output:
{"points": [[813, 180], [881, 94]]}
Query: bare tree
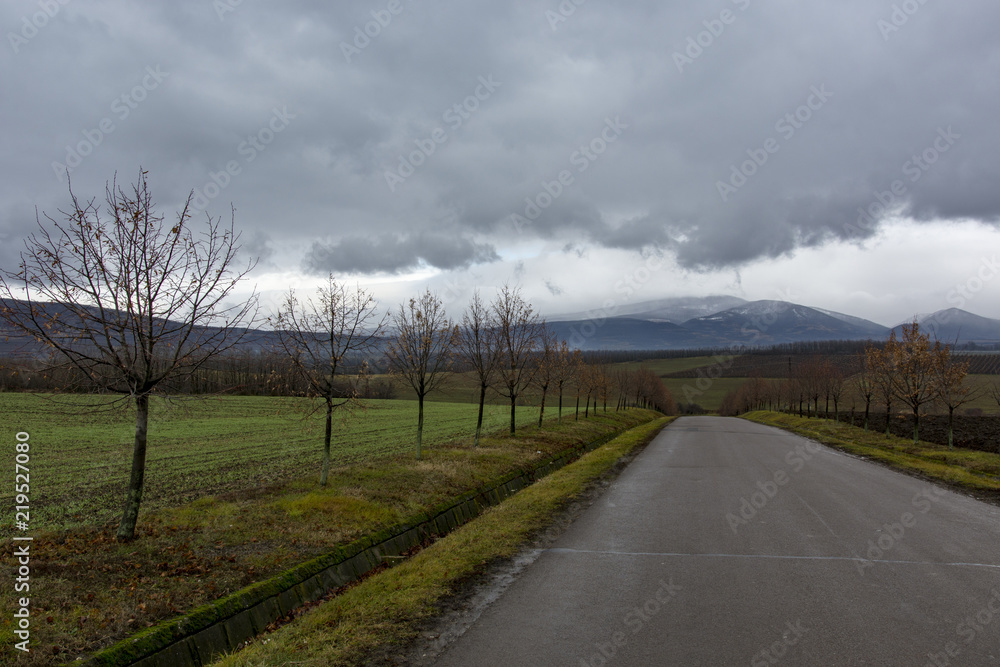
{"points": [[319, 335], [643, 386], [950, 384], [422, 351], [130, 302], [565, 367], [910, 367], [865, 386], [519, 332], [810, 378], [836, 383], [651, 393], [624, 381], [606, 386], [479, 346], [547, 369], [881, 370], [597, 383], [586, 380], [776, 393]]}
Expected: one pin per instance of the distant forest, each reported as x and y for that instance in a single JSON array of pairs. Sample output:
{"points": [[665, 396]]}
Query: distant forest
{"points": [[262, 373], [779, 361]]}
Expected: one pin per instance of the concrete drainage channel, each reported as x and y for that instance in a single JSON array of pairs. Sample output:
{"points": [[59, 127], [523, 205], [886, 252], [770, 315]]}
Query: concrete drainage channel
{"points": [[204, 634]]}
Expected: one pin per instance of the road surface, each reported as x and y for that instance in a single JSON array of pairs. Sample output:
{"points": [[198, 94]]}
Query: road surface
{"points": [[731, 543]]}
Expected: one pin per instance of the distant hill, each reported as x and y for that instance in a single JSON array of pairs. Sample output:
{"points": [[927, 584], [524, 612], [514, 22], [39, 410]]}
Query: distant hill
{"points": [[953, 324], [653, 325], [756, 323], [675, 310], [773, 322], [13, 343], [623, 333], [876, 330]]}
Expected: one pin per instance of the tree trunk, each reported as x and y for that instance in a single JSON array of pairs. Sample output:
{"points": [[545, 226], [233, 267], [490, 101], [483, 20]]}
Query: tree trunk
{"points": [[576, 417], [126, 530], [888, 414], [420, 422], [326, 443], [916, 425], [479, 422], [586, 411], [541, 411], [951, 418], [560, 404], [513, 408], [867, 408]]}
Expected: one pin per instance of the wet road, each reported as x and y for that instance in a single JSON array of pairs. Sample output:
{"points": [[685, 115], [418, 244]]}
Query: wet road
{"points": [[730, 543]]}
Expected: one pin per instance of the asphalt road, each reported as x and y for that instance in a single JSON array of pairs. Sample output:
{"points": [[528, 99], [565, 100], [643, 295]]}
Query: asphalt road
{"points": [[730, 543]]}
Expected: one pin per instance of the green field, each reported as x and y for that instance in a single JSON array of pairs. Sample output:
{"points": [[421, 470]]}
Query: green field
{"points": [[464, 388], [664, 366], [983, 401], [81, 456], [709, 396], [232, 498]]}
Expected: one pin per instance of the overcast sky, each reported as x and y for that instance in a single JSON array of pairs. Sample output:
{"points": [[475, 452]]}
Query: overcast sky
{"points": [[597, 152]]}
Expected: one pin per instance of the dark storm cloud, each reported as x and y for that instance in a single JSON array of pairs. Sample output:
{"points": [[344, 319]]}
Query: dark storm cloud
{"points": [[553, 288], [392, 254], [260, 247], [633, 234], [820, 108]]}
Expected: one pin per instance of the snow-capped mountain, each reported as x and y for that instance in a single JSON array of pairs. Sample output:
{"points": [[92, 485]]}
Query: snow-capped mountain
{"points": [[757, 323], [675, 310], [769, 322], [955, 325], [875, 329]]}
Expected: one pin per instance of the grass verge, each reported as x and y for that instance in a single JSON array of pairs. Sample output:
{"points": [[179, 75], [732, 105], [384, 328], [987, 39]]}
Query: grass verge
{"points": [[969, 470], [387, 609]]}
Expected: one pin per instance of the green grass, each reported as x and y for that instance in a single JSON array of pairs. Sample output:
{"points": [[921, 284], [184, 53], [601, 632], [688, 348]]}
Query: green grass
{"points": [[665, 366], [967, 469], [81, 455], [983, 401], [707, 394], [385, 611], [464, 388]]}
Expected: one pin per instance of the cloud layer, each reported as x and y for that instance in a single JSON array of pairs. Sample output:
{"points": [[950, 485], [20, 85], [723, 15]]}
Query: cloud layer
{"points": [[395, 135]]}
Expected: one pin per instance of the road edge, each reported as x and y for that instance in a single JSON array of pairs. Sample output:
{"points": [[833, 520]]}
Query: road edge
{"points": [[896, 461]]}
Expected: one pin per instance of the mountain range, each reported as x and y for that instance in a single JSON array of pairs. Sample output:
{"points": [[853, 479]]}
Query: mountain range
{"points": [[720, 321], [955, 325], [691, 323]]}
